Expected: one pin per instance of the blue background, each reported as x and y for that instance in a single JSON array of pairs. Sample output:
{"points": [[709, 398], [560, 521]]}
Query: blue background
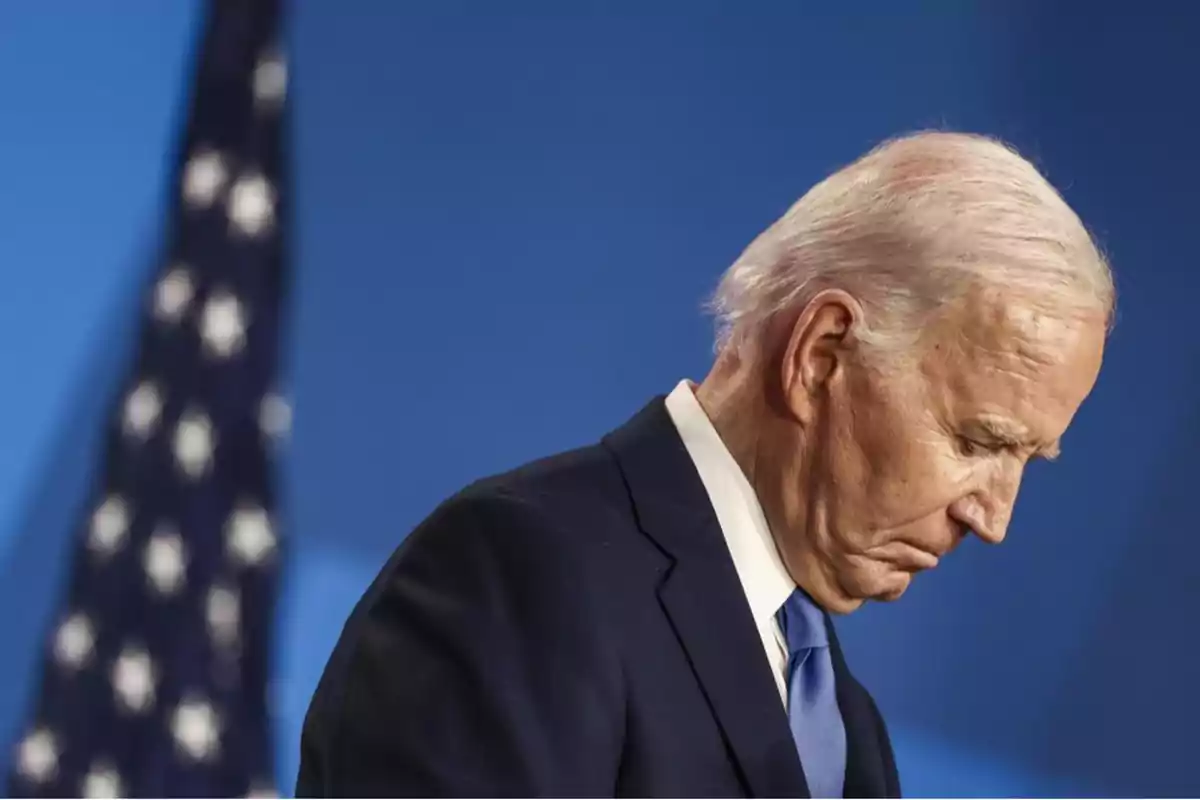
{"points": [[507, 218]]}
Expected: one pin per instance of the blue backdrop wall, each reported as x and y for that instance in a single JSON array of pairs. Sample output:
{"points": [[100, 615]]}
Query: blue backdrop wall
{"points": [[507, 219]]}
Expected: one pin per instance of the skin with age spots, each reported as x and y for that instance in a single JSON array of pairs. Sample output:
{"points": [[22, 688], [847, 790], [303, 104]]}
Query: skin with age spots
{"points": [[870, 472]]}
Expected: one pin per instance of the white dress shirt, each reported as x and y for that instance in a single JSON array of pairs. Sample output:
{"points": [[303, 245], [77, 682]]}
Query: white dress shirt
{"points": [[759, 568]]}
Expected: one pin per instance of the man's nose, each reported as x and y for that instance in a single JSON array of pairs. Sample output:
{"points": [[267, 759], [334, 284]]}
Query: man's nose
{"points": [[980, 513], [988, 510], [995, 526]]}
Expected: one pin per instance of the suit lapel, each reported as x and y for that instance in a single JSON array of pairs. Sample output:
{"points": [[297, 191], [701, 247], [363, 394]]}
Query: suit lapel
{"points": [[865, 773], [713, 622], [705, 602]]}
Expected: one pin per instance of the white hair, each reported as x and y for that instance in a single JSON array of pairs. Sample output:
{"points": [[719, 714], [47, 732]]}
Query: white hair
{"points": [[909, 228]]}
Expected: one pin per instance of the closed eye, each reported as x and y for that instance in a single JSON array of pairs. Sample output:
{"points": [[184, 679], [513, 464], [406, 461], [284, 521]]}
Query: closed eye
{"points": [[992, 435], [975, 447], [970, 447]]}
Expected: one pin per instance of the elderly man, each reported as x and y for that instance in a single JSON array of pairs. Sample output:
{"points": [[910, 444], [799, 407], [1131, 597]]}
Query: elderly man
{"points": [[651, 615]]}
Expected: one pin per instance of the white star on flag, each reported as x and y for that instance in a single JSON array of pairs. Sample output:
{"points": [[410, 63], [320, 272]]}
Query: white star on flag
{"points": [[75, 641], [102, 781], [223, 325], [252, 205], [223, 612], [194, 443], [165, 560], [195, 727], [203, 178], [37, 756], [250, 537], [133, 679], [275, 416], [270, 81], [110, 525], [173, 294], [143, 407]]}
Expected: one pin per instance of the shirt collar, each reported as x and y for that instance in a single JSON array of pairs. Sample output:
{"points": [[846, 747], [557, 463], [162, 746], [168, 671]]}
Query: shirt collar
{"points": [[764, 579]]}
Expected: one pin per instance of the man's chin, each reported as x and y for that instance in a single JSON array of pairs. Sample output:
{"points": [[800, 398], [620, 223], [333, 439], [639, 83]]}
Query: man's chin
{"points": [[898, 585], [891, 587], [875, 580]]}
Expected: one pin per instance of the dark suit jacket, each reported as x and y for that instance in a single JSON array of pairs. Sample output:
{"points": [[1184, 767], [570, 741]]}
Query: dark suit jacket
{"points": [[575, 627]]}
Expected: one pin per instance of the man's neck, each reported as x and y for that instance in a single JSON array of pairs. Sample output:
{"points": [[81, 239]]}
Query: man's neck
{"points": [[769, 456]]}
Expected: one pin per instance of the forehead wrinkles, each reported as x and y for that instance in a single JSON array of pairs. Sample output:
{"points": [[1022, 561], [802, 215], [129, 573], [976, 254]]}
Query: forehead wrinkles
{"points": [[1015, 331], [1037, 336], [987, 359], [1017, 360], [1041, 329]]}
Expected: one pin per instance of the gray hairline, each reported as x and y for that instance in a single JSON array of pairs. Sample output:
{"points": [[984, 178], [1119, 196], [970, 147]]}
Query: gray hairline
{"points": [[764, 283]]}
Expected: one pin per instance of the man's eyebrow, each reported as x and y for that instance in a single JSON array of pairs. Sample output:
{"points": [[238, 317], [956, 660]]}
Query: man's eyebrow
{"points": [[1010, 433], [999, 430], [1051, 451]]}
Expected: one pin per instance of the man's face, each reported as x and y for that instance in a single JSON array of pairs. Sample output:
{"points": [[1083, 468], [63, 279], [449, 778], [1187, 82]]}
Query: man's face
{"points": [[905, 465]]}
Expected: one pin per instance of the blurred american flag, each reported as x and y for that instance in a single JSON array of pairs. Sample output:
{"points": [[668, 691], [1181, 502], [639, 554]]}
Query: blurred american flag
{"points": [[156, 672]]}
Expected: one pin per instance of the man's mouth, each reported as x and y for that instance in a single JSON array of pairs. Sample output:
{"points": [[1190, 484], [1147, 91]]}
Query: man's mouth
{"points": [[906, 556]]}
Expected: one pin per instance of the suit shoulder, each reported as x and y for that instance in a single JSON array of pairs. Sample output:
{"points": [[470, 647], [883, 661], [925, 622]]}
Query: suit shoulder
{"points": [[571, 493], [585, 472], [504, 546], [485, 615], [533, 525]]}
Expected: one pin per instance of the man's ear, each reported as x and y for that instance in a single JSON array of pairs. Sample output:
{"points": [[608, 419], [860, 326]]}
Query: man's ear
{"points": [[815, 354]]}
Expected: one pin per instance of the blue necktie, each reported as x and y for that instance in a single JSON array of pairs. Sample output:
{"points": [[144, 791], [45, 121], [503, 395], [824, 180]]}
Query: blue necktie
{"points": [[813, 712]]}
